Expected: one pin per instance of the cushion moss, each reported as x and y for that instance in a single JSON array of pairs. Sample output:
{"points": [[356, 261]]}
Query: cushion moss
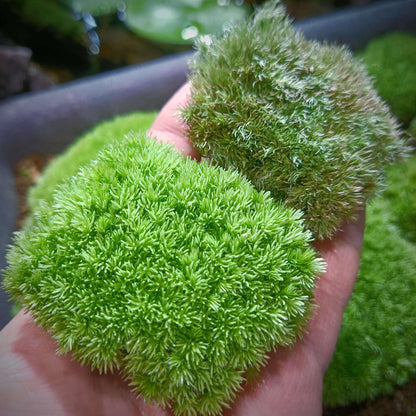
{"points": [[298, 118], [401, 195], [368, 350], [376, 349], [83, 150], [391, 60], [412, 128], [178, 273]]}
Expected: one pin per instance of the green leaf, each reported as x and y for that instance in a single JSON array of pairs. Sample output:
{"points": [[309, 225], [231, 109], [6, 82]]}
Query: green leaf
{"points": [[97, 7], [181, 22]]}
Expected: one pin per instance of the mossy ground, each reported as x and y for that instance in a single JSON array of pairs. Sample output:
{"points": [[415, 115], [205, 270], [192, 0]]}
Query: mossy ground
{"points": [[391, 60], [376, 347], [375, 350], [401, 195]]}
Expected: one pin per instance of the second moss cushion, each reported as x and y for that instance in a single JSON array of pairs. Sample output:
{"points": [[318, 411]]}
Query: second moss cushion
{"points": [[297, 118]]}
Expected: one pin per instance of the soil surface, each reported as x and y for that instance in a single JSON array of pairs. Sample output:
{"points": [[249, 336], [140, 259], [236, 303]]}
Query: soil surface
{"points": [[402, 402], [27, 172]]}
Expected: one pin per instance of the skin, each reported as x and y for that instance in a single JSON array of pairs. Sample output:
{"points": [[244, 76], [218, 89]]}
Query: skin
{"points": [[36, 381]]}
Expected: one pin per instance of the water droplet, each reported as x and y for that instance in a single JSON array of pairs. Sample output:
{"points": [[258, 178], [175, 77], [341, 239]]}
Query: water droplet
{"points": [[94, 49], [223, 2], [89, 21], [121, 6], [121, 15], [189, 32], [92, 34]]}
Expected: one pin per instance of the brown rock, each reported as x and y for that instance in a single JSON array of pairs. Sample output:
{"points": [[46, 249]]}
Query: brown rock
{"points": [[38, 79], [14, 63]]}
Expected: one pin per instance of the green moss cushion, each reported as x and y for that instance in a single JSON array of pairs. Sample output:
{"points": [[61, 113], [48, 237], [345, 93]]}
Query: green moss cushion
{"points": [[80, 153], [83, 150], [376, 349], [297, 118], [358, 365], [401, 195], [180, 274], [412, 128], [391, 60]]}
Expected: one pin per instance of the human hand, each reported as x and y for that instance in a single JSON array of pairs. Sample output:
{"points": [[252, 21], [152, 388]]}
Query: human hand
{"points": [[33, 379], [291, 383]]}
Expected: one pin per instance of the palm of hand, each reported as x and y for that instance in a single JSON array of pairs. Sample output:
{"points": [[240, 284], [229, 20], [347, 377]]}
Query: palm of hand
{"points": [[33, 377]]}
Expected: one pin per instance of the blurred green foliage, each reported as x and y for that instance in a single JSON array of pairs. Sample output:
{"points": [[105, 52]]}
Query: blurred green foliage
{"points": [[95, 7], [177, 22], [46, 14], [161, 21], [391, 60], [181, 21], [376, 348]]}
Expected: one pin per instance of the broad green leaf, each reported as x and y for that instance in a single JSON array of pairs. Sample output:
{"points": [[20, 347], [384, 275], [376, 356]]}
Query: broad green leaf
{"points": [[97, 7], [181, 21]]}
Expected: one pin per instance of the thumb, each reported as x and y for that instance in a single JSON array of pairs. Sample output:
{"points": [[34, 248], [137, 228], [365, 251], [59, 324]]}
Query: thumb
{"points": [[169, 128]]}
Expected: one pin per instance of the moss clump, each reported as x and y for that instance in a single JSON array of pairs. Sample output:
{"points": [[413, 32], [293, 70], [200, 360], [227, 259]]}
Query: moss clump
{"points": [[83, 150], [376, 347], [391, 60], [297, 118], [376, 350], [401, 196], [79, 154], [180, 274], [412, 128]]}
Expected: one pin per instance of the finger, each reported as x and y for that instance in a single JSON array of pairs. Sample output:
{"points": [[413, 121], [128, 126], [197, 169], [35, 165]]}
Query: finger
{"points": [[168, 126], [33, 376], [297, 372], [334, 287]]}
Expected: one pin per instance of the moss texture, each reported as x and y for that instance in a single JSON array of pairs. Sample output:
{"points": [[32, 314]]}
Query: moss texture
{"points": [[372, 355], [80, 153], [297, 118], [376, 348], [179, 273], [412, 128], [391, 60], [83, 150], [401, 195]]}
